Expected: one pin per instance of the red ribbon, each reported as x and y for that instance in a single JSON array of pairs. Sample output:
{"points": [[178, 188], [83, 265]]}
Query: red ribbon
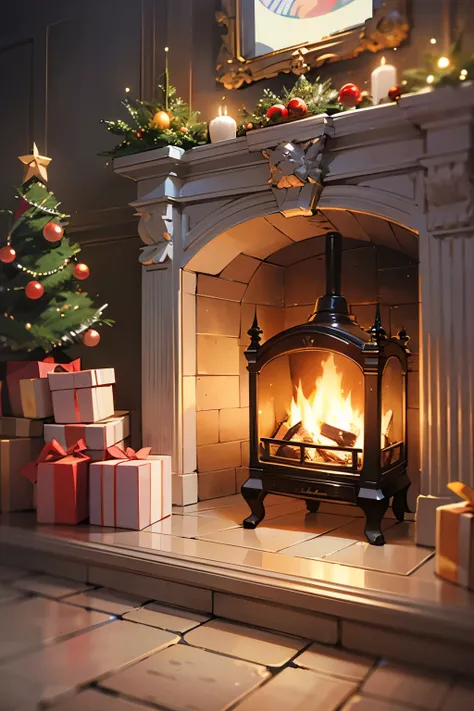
{"points": [[115, 452], [53, 452], [49, 366]]}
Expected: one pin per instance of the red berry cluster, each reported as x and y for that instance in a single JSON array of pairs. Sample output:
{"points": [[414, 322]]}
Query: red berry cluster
{"points": [[296, 108]]}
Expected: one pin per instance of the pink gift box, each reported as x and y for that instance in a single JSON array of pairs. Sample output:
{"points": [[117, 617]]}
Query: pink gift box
{"points": [[61, 479], [97, 436], [130, 493], [84, 396]]}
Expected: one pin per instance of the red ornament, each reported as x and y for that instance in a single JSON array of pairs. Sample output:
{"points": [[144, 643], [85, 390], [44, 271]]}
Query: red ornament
{"points": [[91, 338], [139, 135], [52, 232], [34, 290], [395, 93], [81, 271], [349, 95], [277, 112], [7, 255], [297, 108], [183, 129]]}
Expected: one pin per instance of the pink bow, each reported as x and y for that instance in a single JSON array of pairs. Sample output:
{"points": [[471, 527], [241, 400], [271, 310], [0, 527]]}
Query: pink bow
{"points": [[117, 453]]}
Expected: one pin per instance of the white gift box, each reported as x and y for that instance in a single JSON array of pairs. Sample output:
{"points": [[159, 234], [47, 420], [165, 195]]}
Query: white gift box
{"points": [[35, 395], [97, 436], [82, 396], [130, 493]]}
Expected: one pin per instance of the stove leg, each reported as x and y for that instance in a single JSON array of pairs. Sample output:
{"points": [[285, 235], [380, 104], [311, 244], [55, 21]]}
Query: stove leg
{"points": [[312, 505], [254, 495], [374, 510], [400, 504]]}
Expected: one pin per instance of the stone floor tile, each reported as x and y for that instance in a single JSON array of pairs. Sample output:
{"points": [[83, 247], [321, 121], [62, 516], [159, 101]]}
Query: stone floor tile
{"points": [[280, 532], [335, 662], [173, 619], [7, 593], [17, 693], [37, 621], [181, 678], [238, 512], [106, 601], [318, 547], [299, 690], [97, 700], [61, 668], [459, 698], [365, 703], [403, 686], [50, 586], [394, 558], [190, 526], [9, 574], [254, 645]]}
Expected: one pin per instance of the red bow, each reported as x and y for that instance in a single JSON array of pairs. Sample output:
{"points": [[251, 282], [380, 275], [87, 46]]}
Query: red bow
{"points": [[117, 453], [53, 452], [49, 366]]}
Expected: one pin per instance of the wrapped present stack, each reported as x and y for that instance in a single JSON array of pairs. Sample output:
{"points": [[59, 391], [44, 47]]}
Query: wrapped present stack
{"points": [[25, 408], [86, 469]]}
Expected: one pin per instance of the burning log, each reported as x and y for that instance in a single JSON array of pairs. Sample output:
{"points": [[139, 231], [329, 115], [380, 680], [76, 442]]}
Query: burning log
{"points": [[297, 433], [340, 437]]}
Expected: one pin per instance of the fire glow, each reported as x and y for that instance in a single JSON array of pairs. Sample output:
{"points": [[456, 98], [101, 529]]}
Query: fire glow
{"points": [[329, 409]]}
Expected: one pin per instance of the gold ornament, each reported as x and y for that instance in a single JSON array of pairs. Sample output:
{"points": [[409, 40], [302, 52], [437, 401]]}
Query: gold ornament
{"points": [[35, 165], [161, 120]]}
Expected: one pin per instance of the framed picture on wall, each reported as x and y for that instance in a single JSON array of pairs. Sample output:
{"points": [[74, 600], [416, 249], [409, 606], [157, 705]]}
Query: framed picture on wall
{"points": [[264, 37]]}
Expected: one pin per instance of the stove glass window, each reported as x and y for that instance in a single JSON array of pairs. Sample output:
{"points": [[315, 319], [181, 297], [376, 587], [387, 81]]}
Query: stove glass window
{"points": [[311, 410]]}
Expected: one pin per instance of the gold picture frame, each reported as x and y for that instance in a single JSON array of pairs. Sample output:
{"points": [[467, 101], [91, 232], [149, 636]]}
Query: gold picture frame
{"points": [[386, 29]]}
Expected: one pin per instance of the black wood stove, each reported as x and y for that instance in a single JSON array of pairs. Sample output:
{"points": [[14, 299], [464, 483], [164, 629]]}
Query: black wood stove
{"points": [[328, 411]]}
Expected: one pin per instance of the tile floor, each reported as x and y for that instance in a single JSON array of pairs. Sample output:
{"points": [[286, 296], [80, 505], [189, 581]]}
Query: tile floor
{"points": [[71, 647]]}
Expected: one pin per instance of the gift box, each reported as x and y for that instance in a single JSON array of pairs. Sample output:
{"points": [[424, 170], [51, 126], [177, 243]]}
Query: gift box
{"points": [[20, 427], [61, 477], [97, 436], [132, 490], [83, 396], [454, 559], [36, 399], [24, 370], [16, 494]]}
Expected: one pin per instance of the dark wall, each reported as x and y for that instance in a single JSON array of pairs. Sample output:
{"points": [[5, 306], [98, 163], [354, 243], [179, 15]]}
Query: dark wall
{"points": [[63, 66]]}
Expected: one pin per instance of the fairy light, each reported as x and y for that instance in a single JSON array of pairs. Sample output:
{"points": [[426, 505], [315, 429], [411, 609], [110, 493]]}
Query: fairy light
{"points": [[27, 326], [433, 40], [430, 79], [43, 274], [443, 62]]}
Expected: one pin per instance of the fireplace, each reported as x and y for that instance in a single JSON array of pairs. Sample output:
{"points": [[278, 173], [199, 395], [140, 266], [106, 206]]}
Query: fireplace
{"points": [[328, 411]]}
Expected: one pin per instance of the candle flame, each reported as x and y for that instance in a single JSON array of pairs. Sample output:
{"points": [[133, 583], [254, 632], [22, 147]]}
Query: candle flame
{"points": [[383, 61], [222, 110]]}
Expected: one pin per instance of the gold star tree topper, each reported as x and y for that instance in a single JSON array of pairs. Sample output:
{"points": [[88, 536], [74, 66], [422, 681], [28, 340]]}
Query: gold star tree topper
{"points": [[35, 165]]}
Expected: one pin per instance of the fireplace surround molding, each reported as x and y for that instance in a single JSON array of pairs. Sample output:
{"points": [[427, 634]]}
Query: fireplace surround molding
{"points": [[408, 163]]}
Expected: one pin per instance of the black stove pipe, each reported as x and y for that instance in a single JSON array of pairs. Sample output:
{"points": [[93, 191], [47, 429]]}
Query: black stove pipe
{"points": [[331, 309]]}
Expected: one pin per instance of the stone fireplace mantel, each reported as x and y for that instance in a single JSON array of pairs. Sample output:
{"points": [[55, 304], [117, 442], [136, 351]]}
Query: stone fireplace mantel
{"points": [[408, 164]]}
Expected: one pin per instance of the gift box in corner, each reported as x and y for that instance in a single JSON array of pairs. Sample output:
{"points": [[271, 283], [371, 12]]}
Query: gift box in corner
{"points": [[61, 478], [83, 396], [98, 436], [130, 490], [21, 370], [454, 559], [16, 494]]}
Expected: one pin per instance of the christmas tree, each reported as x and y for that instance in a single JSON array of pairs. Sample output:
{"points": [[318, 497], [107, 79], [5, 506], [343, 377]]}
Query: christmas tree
{"points": [[42, 304]]}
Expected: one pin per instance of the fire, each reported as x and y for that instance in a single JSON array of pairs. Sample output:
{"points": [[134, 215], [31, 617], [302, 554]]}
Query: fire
{"points": [[327, 405]]}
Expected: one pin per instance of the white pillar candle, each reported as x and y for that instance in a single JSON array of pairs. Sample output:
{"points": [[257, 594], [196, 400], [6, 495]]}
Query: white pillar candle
{"points": [[383, 78], [223, 127]]}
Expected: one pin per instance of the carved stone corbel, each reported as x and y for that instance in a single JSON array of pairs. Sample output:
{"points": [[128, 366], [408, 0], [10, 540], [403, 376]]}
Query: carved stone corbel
{"points": [[156, 231], [296, 175], [450, 195]]}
